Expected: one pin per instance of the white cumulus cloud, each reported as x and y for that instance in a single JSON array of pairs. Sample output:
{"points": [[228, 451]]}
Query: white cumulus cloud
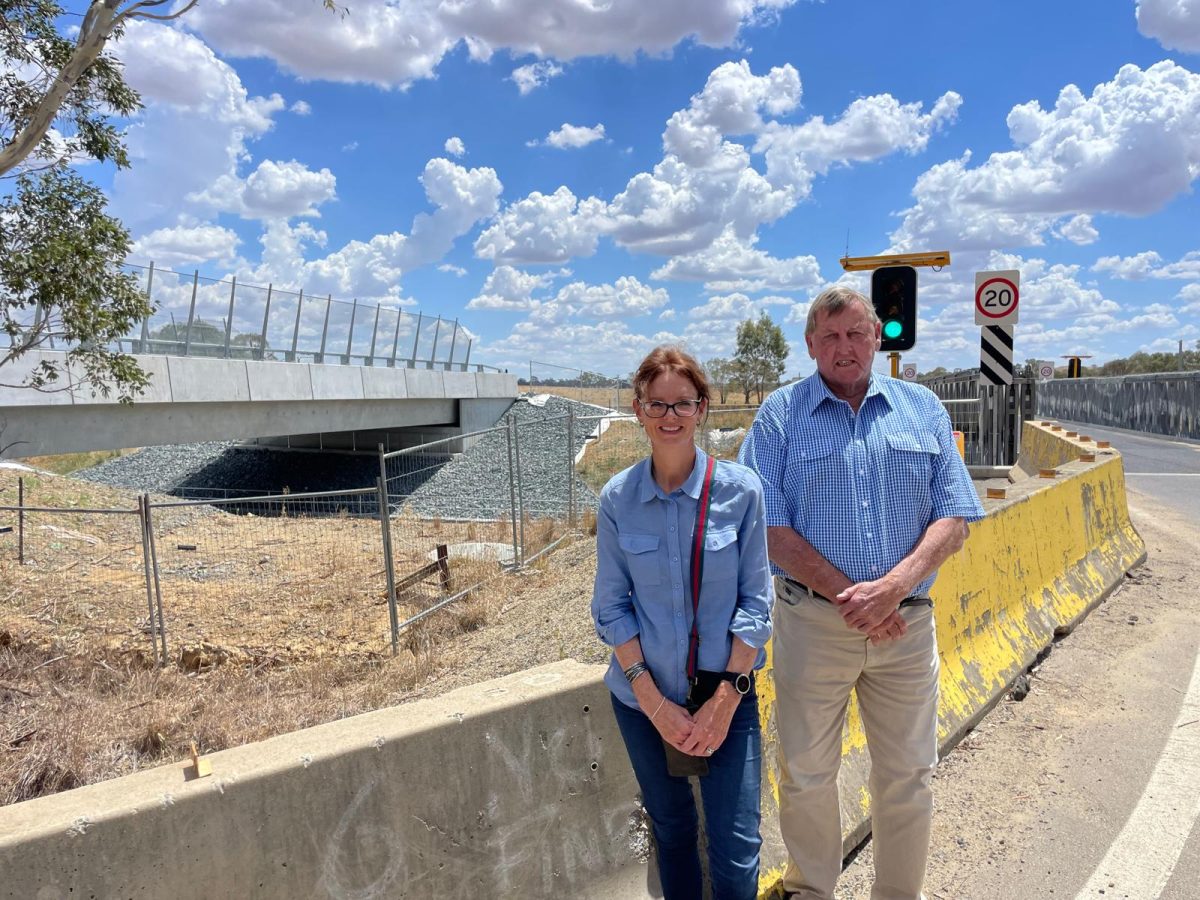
{"points": [[1173, 23], [571, 137], [533, 76], [186, 245], [455, 146], [393, 44], [1149, 264], [1130, 147]]}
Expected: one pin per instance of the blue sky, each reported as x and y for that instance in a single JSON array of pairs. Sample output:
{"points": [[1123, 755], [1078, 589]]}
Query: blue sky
{"points": [[578, 180]]}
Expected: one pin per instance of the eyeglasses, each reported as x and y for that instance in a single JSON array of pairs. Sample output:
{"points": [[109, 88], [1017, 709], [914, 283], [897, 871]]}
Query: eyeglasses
{"points": [[685, 409]]}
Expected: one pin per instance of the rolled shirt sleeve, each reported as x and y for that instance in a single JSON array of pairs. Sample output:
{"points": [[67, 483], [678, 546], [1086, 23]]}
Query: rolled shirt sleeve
{"points": [[752, 617], [951, 491], [612, 601]]}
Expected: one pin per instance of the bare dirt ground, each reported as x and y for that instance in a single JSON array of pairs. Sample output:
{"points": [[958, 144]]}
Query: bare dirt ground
{"points": [[1023, 804]]}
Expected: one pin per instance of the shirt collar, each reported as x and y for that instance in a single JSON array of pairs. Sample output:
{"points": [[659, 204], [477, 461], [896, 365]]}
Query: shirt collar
{"points": [[815, 392], [648, 488]]}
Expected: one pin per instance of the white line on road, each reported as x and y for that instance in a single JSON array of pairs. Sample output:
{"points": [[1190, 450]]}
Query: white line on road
{"points": [[1165, 474], [1140, 861]]}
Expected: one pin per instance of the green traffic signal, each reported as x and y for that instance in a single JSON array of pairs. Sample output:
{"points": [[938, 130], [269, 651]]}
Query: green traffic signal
{"points": [[894, 296]]}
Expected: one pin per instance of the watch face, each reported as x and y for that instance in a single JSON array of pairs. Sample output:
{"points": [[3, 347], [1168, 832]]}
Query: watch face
{"points": [[742, 684]]}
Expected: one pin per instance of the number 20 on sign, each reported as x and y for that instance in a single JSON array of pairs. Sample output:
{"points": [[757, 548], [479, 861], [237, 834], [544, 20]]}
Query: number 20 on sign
{"points": [[997, 297]]}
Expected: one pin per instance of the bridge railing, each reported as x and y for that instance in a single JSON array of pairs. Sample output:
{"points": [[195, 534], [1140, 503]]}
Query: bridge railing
{"points": [[990, 418], [198, 316], [1161, 402]]}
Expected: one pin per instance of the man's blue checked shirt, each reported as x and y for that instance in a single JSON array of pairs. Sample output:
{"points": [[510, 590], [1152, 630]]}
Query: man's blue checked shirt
{"points": [[860, 487]]}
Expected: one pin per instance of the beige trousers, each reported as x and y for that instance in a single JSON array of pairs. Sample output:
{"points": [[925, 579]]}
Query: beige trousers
{"points": [[817, 660]]}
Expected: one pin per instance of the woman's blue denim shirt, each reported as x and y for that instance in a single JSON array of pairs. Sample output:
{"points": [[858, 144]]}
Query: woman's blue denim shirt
{"points": [[643, 572]]}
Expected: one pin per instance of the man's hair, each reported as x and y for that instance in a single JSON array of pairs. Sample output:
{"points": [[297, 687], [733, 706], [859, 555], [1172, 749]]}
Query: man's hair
{"points": [[669, 359], [833, 300]]}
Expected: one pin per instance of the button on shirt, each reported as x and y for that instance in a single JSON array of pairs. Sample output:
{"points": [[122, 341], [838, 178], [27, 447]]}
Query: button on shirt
{"points": [[643, 572], [861, 488]]}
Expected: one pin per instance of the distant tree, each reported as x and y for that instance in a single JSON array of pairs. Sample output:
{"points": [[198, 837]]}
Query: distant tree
{"points": [[761, 355], [720, 374]]}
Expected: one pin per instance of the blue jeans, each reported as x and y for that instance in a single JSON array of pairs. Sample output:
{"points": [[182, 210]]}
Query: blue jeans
{"points": [[730, 793]]}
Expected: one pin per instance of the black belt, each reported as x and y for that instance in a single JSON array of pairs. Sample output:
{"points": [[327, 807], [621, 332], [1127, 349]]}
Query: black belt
{"points": [[805, 589]]}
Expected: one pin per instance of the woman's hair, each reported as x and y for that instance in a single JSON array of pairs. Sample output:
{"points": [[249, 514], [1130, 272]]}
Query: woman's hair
{"points": [[669, 359]]}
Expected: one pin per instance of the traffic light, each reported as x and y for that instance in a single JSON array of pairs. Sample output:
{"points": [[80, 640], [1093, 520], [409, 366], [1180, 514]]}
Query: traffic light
{"points": [[894, 294]]}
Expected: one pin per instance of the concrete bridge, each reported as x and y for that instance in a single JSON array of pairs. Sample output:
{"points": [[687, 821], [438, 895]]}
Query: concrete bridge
{"points": [[298, 404]]}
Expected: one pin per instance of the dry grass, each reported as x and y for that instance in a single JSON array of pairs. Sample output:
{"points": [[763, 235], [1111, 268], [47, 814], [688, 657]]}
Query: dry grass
{"points": [[65, 463], [273, 624]]}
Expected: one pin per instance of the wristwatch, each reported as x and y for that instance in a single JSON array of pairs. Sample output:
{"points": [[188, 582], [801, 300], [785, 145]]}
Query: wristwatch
{"points": [[740, 680]]}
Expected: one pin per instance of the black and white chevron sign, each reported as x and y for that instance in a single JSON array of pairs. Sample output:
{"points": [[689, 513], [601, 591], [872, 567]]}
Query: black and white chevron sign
{"points": [[996, 355]]}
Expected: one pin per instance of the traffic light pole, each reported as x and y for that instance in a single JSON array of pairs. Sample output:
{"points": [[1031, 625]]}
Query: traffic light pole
{"points": [[895, 360]]}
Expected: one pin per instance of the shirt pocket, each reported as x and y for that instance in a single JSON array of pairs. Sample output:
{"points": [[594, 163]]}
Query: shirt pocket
{"points": [[815, 471], [721, 553], [641, 555], [910, 459]]}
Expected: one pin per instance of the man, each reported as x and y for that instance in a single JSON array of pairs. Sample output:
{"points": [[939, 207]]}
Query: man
{"points": [[866, 496]]}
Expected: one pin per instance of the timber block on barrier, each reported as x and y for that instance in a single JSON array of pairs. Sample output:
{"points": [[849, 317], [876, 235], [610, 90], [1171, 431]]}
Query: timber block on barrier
{"points": [[518, 787], [1040, 561]]}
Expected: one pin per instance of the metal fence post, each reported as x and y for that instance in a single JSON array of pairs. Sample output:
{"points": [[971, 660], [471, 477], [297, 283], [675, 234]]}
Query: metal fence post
{"points": [[385, 525], [437, 333], [374, 334], [396, 339], [149, 298], [187, 339], [296, 329], [162, 626], [350, 336], [262, 340], [416, 342], [324, 327], [143, 521], [520, 494], [570, 468], [453, 339], [229, 320], [512, 491], [467, 361], [21, 521]]}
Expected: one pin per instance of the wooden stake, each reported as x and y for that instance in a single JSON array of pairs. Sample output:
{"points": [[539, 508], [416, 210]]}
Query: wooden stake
{"points": [[201, 768]]}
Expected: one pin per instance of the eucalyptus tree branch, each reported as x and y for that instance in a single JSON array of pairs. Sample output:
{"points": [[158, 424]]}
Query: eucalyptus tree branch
{"points": [[102, 18]]}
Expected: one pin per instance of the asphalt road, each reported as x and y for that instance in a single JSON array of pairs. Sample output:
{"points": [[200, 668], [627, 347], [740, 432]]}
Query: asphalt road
{"points": [[1089, 788], [1166, 469]]}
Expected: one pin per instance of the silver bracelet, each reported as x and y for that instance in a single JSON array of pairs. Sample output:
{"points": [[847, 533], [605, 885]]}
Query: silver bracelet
{"points": [[638, 668]]}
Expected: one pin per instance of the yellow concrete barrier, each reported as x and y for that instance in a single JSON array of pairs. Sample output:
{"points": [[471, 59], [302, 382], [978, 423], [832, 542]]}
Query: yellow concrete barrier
{"points": [[1040, 561]]}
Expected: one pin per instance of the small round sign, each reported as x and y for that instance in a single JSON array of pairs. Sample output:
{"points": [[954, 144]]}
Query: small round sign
{"points": [[1046, 371], [909, 372], [997, 298]]}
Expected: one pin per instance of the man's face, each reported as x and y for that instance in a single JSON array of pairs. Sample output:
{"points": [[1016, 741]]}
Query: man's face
{"points": [[843, 345]]}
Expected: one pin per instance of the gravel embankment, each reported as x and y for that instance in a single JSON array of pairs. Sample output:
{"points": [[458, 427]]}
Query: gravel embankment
{"points": [[474, 484]]}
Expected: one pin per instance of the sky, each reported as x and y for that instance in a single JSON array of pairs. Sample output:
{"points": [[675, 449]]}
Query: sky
{"points": [[578, 181]]}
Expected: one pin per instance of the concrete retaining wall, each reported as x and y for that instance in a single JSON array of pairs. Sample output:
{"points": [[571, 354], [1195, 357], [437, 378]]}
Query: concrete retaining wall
{"points": [[520, 787]]}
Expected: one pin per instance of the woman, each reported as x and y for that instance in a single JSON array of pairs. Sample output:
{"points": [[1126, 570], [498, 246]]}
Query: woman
{"points": [[643, 607]]}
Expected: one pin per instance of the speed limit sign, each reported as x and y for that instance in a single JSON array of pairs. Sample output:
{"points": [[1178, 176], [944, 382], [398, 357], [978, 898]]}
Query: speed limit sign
{"points": [[997, 296]]}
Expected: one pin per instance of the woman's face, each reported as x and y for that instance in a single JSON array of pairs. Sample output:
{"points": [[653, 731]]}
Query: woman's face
{"points": [[672, 430]]}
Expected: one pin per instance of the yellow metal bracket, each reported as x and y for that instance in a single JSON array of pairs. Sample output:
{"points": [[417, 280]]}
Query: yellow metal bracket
{"points": [[937, 259]]}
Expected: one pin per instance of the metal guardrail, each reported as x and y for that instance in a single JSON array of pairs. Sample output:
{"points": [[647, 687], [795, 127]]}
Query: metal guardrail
{"points": [[990, 418], [1165, 403]]}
